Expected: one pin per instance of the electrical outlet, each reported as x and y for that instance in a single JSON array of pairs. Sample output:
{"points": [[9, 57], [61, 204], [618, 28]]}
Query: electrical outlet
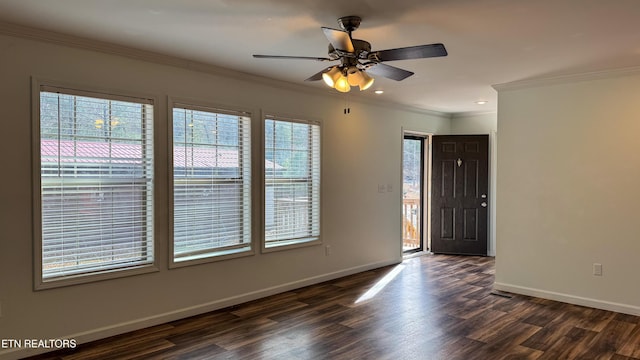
{"points": [[327, 250], [597, 269], [389, 188], [381, 188]]}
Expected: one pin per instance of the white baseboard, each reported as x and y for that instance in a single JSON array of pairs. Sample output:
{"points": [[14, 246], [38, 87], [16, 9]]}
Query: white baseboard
{"points": [[137, 324], [567, 298]]}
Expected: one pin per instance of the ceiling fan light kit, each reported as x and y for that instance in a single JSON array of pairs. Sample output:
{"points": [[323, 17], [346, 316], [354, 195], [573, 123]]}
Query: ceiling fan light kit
{"points": [[357, 61], [343, 78], [342, 84]]}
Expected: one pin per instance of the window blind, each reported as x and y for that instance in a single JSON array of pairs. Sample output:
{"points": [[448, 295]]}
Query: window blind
{"points": [[211, 182], [292, 181], [96, 179]]}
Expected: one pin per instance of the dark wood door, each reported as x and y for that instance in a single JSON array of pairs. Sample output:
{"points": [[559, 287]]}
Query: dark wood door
{"points": [[459, 204]]}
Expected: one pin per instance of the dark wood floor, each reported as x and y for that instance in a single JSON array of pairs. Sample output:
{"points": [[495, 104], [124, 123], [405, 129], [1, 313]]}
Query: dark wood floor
{"points": [[437, 307]]}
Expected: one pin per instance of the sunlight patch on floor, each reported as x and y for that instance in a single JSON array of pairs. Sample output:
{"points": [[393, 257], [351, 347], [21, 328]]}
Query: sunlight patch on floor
{"points": [[381, 284]]}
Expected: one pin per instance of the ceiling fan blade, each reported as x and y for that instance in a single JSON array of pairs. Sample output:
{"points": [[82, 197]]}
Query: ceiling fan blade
{"points": [[292, 57], [340, 40], [387, 71], [411, 52], [317, 76]]}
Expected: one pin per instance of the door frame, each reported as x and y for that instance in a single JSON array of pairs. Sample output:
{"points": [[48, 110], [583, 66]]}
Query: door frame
{"points": [[491, 226]]}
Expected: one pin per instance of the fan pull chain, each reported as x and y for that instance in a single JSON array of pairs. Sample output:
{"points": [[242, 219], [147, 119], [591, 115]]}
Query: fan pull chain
{"points": [[347, 109]]}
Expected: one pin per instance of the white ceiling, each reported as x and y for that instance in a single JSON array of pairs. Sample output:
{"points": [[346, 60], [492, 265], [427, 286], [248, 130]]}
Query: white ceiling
{"points": [[489, 41]]}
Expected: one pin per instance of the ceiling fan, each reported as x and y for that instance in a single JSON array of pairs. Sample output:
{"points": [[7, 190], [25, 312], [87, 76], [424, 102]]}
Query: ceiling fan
{"points": [[357, 60]]}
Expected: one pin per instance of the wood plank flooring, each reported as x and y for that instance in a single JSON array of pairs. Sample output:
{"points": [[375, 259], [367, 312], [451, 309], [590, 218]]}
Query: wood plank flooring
{"points": [[436, 307]]}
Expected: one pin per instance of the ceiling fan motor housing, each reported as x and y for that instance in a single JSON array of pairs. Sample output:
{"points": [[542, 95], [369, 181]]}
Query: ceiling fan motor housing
{"points": [[349, 23], [362, 50]]}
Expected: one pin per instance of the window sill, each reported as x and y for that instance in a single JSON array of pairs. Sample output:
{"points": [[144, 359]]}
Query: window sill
{"points": [[212, 257], [78, 279], [291, 244]]}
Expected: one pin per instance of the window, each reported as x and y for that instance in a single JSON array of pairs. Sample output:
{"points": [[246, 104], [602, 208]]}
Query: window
{"points": [[292, 182], [96, 186], [211, 183]]}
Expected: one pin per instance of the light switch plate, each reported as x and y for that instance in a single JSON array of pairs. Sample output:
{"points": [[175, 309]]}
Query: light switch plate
{"points": [[597, 269]]}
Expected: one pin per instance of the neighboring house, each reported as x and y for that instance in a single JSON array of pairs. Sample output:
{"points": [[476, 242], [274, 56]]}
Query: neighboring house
{"points": [[83, 160]]}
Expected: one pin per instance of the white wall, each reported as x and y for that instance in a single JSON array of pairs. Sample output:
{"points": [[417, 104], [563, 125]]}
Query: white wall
{"points": [[362, 226], [482, 124], [568, 189], [474, 123]]}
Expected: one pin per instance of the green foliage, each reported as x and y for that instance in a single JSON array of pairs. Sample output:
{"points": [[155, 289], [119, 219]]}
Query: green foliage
{"points": [[205, 128], [411, 162], [67, 116], [287, 145]]}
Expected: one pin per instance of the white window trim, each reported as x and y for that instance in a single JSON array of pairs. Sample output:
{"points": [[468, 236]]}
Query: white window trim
{"points": [[226, 253], [294, 243], [37, 84]]}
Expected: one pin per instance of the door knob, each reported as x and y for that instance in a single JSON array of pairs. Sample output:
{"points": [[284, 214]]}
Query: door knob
{"points": [[484, 204]]}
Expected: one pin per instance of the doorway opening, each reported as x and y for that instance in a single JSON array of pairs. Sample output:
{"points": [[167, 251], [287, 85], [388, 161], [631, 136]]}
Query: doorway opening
{"points": [[445, 196], [414, 176]]}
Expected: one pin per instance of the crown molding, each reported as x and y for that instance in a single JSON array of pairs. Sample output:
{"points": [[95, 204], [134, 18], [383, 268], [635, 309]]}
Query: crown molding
{"points": [[57, 38], [569, 78], [82, 43], [473, 114], [52, 37]]}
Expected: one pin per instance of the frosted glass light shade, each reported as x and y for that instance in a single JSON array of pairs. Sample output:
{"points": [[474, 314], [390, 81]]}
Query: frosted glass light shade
{"points": [[331, 77], [342, 84], [354, 76], [366, 81]]}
